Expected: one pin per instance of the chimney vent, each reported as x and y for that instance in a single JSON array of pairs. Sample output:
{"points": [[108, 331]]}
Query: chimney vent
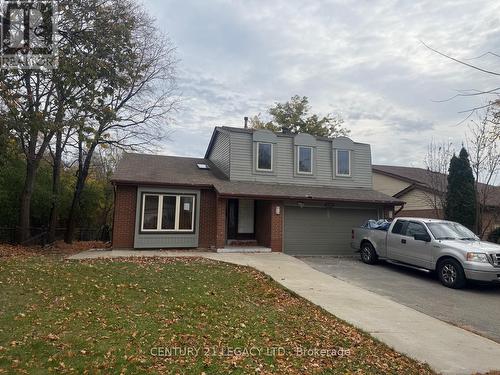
{"points": [[246, 121]]}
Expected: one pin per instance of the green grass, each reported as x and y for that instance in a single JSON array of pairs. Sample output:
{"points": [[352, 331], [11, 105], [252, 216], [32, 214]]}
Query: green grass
{"points": [[106, 316]]}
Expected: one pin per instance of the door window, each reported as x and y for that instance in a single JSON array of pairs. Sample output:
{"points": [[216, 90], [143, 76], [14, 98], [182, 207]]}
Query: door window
{"points": [[398, 227], [414, 228]]}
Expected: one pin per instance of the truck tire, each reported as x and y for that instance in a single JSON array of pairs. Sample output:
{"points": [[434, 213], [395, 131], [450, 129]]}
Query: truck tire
{"points": [[451, 274], [368, 253]]}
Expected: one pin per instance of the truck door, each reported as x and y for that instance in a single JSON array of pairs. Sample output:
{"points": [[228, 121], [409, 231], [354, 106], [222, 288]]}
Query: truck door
{"points": [[416, 252], [394, 240]]}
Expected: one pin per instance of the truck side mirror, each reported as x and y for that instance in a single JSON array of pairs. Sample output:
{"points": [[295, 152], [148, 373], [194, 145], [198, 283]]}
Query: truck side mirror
{"points": [[422, 237]]}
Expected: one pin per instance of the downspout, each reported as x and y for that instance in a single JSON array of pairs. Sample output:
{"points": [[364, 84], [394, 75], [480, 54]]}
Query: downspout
{"points": [[400, 209], [114, 214]]}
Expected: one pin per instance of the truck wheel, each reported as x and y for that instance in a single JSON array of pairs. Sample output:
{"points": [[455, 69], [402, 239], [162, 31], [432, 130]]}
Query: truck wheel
{"points": [[451, 274], [368, 253]]}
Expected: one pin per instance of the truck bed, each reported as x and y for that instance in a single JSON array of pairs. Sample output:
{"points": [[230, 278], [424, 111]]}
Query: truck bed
{"points": [[378, 238]]}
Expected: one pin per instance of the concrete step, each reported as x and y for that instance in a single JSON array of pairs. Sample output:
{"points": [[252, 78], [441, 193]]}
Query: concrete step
{"points": [[242, 243], [244, 249]]}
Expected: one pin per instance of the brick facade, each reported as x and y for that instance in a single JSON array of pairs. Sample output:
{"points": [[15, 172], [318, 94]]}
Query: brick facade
{"points": [[221, 222], [213, 222], [124, 216], [269, 224], [208, 223], [276, 227], [263, 223]]}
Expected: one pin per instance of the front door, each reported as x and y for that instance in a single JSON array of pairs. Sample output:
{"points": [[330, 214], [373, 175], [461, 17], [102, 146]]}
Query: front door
{"points": [[240, 219]]}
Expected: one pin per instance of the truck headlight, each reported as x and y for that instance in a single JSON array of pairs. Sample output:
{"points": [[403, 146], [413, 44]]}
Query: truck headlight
{"points": [[477, 257]]}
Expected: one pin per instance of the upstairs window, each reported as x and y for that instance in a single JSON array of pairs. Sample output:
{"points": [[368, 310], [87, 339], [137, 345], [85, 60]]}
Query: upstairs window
{"points": [[264, 156], [167, 213], [343, 161], [304, 160]]}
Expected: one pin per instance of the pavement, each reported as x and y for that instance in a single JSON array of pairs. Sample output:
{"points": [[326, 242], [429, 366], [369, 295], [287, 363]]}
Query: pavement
{"points": [[445, 347], [475, 308]]}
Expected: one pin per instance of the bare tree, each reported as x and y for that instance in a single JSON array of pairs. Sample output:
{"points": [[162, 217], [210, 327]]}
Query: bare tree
{"points": [[491, 95], [437, 161], [28, 109], [135, 94], [33, 103], [483, 142]]}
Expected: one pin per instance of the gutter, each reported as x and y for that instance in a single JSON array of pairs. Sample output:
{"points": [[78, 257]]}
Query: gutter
{"points": [[150, 183], [306, 198]]}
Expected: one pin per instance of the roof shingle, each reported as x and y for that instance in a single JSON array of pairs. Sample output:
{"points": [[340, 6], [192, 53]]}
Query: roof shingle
{"points": [[426, 178], [171, 170]]}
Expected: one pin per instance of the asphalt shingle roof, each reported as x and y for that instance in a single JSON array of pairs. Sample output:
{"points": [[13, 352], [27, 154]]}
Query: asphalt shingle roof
{"points": [[424, 177], [171, 170]]}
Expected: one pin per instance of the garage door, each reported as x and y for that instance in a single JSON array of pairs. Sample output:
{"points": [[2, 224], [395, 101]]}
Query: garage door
{"points": [[321, 231]]}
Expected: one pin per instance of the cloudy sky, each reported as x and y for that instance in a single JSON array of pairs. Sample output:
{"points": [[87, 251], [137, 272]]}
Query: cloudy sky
{"points": [[362, 59]]}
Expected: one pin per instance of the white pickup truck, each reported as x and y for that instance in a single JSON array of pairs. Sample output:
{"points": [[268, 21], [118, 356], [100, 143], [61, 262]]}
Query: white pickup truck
{"points": [[449, 248]]}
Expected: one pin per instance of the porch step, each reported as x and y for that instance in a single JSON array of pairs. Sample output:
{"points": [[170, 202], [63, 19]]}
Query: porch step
{"points": [[244, 249], [242, 243]]}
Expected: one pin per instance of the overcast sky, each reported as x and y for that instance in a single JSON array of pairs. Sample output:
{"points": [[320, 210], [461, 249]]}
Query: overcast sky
{"points": [[362, 59]]}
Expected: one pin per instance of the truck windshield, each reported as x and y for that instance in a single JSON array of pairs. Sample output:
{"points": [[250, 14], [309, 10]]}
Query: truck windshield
{"points": [[450, 231]]}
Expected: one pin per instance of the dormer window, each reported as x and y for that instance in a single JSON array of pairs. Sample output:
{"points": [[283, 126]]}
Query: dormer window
{"points": [[264, 156], [304, 160], [343, 163]]}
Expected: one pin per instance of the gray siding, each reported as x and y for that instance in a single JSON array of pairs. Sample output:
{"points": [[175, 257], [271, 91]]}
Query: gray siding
{"points": [[165, 240], [243, 162], [220, 154]]}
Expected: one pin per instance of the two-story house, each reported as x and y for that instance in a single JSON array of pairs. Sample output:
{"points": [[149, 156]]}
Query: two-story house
{"points": [[286, 192]]}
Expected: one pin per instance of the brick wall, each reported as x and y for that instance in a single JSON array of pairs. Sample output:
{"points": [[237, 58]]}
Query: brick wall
{"points": [[269, 225], [212, 227], [276, 227], [263, 223], [208, 219], [221, 222], [124, 216]]}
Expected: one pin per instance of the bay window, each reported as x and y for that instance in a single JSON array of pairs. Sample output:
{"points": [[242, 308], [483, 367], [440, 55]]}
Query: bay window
{"points": [[167, 213]]}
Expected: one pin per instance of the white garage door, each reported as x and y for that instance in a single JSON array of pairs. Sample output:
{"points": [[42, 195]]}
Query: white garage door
{"points": [[322, 231]]}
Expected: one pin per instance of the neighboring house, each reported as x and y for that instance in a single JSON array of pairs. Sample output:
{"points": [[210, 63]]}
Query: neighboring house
{"points": [[294, 193], [423, 190]]}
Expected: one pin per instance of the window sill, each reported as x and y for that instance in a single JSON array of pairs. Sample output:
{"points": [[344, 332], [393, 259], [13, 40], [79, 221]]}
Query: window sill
{"points": [[157, 232]]}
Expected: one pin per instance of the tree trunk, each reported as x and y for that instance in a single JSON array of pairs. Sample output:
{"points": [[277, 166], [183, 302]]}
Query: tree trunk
{"points": [[23, 229], [56, 188], [80, 184]]}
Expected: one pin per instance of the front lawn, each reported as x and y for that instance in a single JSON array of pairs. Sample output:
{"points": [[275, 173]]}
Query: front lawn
{"points": [[171, 316]]}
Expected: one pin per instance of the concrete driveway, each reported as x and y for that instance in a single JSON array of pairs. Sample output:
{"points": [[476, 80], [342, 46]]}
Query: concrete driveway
{"points": [[475, 308]]}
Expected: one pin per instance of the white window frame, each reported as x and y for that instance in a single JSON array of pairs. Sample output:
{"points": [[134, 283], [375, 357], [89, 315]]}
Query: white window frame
{"points": [[257, 157], [159, 217], [298, 160], [337, 164]]}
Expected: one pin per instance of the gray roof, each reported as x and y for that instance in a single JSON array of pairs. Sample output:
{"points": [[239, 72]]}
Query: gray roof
{"points": [[165, 170], [143, 169], [414, 175], [424, 178]]}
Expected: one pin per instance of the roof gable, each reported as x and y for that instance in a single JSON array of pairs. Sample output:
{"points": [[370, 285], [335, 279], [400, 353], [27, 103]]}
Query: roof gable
{"points": [[432, 181]]}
